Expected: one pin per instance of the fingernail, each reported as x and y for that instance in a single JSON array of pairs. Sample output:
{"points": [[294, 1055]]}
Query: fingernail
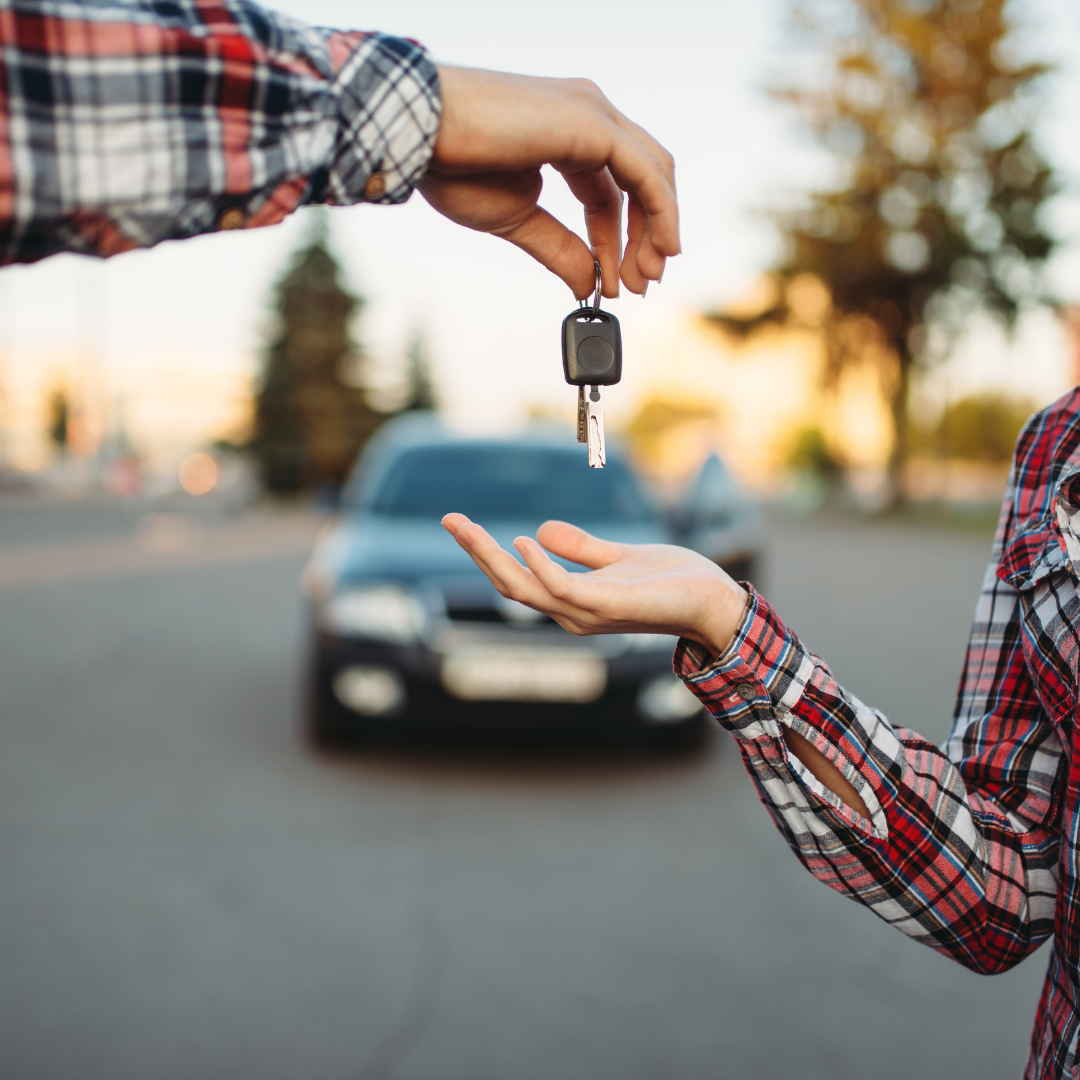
{"points": [[661, 277], [644, 290]]}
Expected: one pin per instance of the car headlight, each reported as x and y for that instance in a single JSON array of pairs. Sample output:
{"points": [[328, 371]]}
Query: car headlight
{"points": [[651, 642], [383, 612], [666, 700]]}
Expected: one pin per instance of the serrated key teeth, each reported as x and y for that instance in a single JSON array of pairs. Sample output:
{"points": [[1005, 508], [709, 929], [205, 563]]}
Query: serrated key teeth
{"points": [[597, 451], [596, 447]]}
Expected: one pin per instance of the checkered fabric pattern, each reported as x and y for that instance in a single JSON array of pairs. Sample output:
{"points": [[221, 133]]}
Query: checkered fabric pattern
{"points": [[973, 848], [127, 122]]}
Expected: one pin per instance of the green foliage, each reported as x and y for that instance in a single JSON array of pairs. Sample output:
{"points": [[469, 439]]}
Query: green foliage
{"points": [[982, 427], [421, 389], [310, 423], [927, 113], [808, 452], [59, 420]]}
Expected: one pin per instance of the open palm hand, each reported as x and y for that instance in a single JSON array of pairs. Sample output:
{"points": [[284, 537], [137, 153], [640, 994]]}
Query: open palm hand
{"points": [[630, 588]]}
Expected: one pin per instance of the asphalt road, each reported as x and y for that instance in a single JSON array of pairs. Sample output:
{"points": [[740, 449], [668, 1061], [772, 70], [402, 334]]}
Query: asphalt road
{"points": [[187, 894]]}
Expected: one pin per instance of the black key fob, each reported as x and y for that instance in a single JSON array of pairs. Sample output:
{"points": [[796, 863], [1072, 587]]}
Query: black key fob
{"points": [[591, 348]]}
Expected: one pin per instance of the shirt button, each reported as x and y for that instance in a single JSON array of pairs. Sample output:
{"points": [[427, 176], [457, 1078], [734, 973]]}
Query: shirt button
{"points": [[375, 186], [746, 691], [233, 218]]}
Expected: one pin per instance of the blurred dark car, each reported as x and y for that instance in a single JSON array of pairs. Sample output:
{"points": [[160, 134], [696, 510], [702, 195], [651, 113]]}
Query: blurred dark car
{"points": [[407, 630]]}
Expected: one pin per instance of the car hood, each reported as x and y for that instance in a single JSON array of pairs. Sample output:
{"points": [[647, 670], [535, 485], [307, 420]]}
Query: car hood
{"points": [[370, 546]]}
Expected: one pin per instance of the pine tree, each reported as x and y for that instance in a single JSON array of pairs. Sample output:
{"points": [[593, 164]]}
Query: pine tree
{"points": [[929, 117], [310, 423], [59, 421], [421, 390]]}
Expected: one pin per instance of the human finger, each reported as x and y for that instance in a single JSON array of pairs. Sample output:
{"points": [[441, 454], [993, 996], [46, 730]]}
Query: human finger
{"points": [[650, 263], [658, 151], [571, 599], [632, 277], [575, 544], [640, 174], [504, 571], [562, 251], [452, 522], [590, 603], [641, 263], [474, 540], [667, 165], [499, 566], [505, 204], [602, 200], [556, 579]]}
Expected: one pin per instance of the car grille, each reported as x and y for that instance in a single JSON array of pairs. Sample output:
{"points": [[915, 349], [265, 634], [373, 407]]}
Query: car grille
{"points": [[488, 614]]}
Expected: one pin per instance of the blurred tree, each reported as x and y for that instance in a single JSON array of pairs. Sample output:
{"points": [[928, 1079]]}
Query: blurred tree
{"points": [[310, 422], [927, 111], [809, 452], [981, 427], [670, 436], [421, 389], [59, 420], [658, 415]]}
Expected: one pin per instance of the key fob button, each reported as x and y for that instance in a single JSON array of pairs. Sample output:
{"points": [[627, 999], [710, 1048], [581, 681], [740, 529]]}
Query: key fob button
{"points": [[595, 356]]}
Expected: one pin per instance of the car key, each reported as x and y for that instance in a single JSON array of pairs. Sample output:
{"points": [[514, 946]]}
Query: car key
{"points": [[597, 452], [592, 358]]}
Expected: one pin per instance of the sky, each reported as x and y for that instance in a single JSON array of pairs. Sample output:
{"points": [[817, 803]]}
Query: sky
{"points": [[692, 73]]}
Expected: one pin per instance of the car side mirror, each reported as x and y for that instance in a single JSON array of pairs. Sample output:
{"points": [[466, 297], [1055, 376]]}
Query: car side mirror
{"points": [[711, 500]]}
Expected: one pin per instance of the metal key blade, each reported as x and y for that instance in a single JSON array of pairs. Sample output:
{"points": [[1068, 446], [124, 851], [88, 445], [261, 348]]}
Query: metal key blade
{"points": [[597, 454], [582, 416]]}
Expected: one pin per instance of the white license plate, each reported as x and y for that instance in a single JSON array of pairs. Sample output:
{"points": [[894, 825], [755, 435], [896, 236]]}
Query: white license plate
{"points": [[524, 674]]}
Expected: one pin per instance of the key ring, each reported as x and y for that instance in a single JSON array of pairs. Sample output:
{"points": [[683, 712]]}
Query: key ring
{"points": [[596, 295]]}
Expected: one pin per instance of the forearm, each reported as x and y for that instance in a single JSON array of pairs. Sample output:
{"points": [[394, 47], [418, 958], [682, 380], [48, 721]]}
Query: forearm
{"points": [[727, 607], [239, 121], [823, 770], [876, 812]]}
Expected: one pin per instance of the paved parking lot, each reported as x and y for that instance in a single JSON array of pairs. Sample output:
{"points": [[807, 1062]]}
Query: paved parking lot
{"points": [[187, 894]]}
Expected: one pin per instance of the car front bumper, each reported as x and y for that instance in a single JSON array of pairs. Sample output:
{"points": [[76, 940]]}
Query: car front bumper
{"points": [[426, 699]]}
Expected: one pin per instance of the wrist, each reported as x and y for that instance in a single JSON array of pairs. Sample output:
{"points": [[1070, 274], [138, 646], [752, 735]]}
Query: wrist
{"points": [[472, 131], [725, 605]]}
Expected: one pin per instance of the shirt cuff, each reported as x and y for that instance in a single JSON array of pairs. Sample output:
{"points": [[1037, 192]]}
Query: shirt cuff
{"points": [[752, 688], [765, 665], [390, 106]]}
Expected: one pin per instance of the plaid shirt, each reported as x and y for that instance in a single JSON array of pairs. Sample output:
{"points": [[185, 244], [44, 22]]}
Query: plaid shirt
{"points": [[974, 848], [128, 122]]}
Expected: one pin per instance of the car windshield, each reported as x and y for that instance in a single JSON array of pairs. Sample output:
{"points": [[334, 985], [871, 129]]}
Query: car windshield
{"points": [[508, 482]]}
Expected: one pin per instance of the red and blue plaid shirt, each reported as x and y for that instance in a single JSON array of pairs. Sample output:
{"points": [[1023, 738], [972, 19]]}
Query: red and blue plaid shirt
{"points": [[128, 122], [973, 848]]}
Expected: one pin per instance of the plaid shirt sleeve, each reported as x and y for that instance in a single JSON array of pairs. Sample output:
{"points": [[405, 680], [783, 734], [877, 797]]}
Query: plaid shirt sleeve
{"points": [[960, 850], [127, 122]]}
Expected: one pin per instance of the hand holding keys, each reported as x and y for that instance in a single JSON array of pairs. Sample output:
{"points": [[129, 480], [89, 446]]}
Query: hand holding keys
{"points": [[592, 358]]}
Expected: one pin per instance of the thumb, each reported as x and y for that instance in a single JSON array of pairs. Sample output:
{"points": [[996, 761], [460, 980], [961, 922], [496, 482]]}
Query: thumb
{"points": [[555, 246]]}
